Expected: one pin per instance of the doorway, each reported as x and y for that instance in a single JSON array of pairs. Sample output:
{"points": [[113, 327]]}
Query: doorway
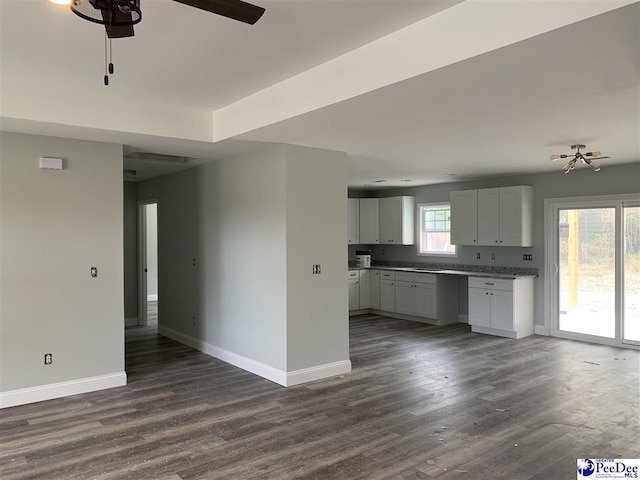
{"points": [[593, 253], [148, 294]]}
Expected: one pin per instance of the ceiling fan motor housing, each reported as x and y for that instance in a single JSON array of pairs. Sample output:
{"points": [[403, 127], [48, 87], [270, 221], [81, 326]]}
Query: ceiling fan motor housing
{"points": [[116, 13]]}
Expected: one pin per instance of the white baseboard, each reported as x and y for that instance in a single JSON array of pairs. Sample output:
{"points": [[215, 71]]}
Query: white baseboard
{"points": [[152, 298], [310, 374], [541, 330], [286, 379], [463, 318], [253, 366], [23, 396], [131, 322]]}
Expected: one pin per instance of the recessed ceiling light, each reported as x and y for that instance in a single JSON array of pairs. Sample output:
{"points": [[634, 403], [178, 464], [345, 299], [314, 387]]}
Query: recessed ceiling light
{"points": [[378, 181]]}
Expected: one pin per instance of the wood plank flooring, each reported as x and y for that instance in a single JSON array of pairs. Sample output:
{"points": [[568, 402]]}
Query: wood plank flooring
{"points": [[422, 402]]}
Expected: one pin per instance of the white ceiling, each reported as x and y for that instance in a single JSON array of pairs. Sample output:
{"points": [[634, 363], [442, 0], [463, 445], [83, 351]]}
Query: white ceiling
{"points": [[502, 112]]}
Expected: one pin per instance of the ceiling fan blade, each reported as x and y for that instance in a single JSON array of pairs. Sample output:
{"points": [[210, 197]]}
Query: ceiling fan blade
{"points": [[598, 158], [117, 31], [235, 9]]}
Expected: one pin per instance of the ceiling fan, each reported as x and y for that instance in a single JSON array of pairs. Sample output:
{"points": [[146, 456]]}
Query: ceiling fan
{"points": [[586, 158], [119, 16]]}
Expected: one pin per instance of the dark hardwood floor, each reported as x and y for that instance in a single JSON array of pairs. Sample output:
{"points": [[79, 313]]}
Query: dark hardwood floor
{"points": [[421, 402]]}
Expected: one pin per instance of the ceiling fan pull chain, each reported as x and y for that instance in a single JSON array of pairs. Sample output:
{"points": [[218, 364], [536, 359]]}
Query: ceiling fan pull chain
{"points": [[106, 76], [110, 57]]}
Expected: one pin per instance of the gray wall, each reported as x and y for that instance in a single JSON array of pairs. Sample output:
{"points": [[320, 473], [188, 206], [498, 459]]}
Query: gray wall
{"points": [[581, 182], [130, 250], [251, 222], [317, 305], [54, 226]]}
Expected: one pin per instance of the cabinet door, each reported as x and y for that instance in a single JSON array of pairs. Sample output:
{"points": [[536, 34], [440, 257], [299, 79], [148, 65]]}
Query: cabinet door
{"points": [[386, 220], [354, 295], [479, 307], [516, 216], [387, 295], [369, 220], [464, 217], [353, 217], [365, 291], [502, 310], [405, 299], [489, 216], [374, 289], [425, 300]]}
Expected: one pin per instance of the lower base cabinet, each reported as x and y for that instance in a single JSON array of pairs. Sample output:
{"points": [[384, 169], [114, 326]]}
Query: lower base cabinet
{"points": [[411, 295], [502, 307], [353, 279]]}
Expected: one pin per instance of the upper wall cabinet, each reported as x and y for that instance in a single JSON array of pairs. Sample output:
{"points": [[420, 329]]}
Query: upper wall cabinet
{"points": [[464, 217], [353, 221], [493, 217], [397, 220], [369, 220]]}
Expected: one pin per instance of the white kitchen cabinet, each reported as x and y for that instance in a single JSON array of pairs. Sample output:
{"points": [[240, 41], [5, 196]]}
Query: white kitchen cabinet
{"points": [[387, 291], [493, 217], [464, 217], [374, 289], [516, 216], [416, 294], [501, 307], [354, 289], [405, 298], [425, 300], [365, 289], [369, 220], [397, 220], [353, 221]]}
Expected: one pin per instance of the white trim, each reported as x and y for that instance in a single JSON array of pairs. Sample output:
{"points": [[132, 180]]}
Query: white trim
{"points": [[24, 396], [152, 298], [286, 379], [318, 372], [420, 225], [131, 322], [248, 364], [541, 330]]}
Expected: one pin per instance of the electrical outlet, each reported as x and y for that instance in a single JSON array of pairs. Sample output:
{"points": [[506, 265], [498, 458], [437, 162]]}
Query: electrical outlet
{"points": [[194, 320], [493, 256], [528, 257], [48, 358], [478, 255], [316, 269]]}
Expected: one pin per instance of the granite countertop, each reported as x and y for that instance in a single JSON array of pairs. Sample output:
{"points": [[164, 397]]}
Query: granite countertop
{"points": [[454, 269]]}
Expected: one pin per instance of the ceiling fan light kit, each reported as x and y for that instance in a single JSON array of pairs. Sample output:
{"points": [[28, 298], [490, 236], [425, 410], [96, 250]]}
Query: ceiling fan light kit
{"points": [[119, 16], [586, 158]]}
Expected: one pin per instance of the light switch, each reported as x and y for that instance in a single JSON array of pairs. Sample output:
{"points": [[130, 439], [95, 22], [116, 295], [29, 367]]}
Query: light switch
{"points": [[94, 272]]}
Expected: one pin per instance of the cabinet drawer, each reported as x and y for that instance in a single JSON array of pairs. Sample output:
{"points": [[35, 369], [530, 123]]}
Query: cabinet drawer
{"points": [[387, 275], [415, 277], [353, 274], [491, 283]]}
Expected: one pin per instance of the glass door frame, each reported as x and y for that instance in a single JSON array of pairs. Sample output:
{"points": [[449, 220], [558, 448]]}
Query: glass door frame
{"points": [[552, 207]]}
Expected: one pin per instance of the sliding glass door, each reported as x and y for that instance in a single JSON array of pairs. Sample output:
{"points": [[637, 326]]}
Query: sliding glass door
{"points": [[587, 271], [593, 248], [631, 295]]}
